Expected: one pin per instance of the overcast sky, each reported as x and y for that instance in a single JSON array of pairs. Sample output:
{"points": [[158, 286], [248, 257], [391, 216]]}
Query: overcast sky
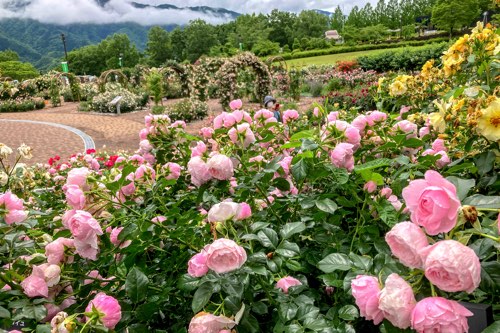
{"points": [[87, 11]]}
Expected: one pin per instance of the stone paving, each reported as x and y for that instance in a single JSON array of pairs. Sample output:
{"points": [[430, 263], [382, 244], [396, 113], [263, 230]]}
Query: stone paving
{"points": [[109, 132]]}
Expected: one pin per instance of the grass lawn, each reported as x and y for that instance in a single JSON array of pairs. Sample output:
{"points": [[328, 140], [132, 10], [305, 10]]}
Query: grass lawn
{"points": [[333, 58]]}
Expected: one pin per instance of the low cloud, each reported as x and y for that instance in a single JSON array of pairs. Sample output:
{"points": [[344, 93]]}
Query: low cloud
{"points": [[88, 11]]}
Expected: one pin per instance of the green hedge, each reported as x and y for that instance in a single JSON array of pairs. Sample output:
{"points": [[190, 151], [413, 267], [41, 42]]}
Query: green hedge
{"points": [[21, 106], [403, 59], [355, 48]]}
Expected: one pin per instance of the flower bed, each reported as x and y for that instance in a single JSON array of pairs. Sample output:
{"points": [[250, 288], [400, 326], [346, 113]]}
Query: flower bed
{"points": [[345, 222]]}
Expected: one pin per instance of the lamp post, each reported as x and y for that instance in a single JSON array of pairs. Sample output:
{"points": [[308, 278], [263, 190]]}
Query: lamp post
{"points": [[64, 44]]}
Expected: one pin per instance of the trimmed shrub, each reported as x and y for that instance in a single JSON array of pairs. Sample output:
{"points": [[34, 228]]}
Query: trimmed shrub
{"points": [[188, 109]]}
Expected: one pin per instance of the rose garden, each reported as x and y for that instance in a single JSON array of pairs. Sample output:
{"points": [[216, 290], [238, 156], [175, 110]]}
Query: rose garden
{"points": [[376, 210]]}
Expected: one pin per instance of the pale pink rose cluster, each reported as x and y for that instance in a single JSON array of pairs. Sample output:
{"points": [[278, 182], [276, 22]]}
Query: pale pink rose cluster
{"points": [[228, 120], [204, 322], [42, 277], [438, 149], [108, 310], [222, 256], [290, 115], [242, 134], [228, 210], [55, 251], [342, 156], [264, 116], [286, 282], [12, 207], [85, 230], [76, 185], [172, 170], [218, 166]]}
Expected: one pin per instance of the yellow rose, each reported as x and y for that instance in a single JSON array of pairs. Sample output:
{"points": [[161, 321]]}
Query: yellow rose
{"points": [[397, 88], [488, 125]]}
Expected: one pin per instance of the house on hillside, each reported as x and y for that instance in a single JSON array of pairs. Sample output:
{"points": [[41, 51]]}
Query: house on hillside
{"points": [[333, 35]]}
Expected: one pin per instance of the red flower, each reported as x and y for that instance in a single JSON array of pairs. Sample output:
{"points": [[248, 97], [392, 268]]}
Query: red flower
{"points": [[90, 151]]}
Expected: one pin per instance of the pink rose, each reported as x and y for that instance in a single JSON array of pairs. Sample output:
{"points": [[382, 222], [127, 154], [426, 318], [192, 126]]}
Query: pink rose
{"points": [[289, 115], [423, 131], [370, 186], [262, 115], [407, 127], [352, 135], [375, 117], [342, 156], [35, 284], [244, 211], [437, 314], [386, 192], [236, 104], [159, 219], [128, 189], [224, 255], [54, 251], [205, 322], [220, 167], [145, 146], [438, 145], [14, 207], [109, 309], [84, 229], [365, 290], [433, 203], [316, 112], [287, 282], [174, 170], [51, 273], [207, 132], [223, 211], [74, 196], [78, 177], [332, 116], [199, 149], [113, 237], [397, 301], [197, 265], [145, 170], [198, 170], [444, 160], [407, 241], [243, 130], [452, 266], [360, 123]]}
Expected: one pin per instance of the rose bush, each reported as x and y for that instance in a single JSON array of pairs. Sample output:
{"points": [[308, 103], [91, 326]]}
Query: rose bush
{"points": [[275, 235]]}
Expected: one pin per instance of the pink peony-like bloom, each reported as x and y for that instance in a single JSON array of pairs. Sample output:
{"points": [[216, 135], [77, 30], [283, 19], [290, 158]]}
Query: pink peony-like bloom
{"points": [[197, 265], [198, 170], [145, 146], [438, 314], [438, 145], [84, 229], [220, 167], [113, 237], [224, 256], [35, 284], [227, 210], [342, 156], [205, 322], [54, 251], [375, 117], [423, 131], [244, 211], [199, 149], [74, 196], [444, 160], [352, 135], [332, 116], [78, 177], [14, 207], [174, 170], [365, 290], [243, 130], [397, 301], [145, 170], [370, 186], [433, 203], [360, 122], [263, 115], [51, 273], [109, 309], [407, 241], [386, 192], [287, 282], [207, 132], [289, 115], [452, 266], [406, 127], [236, 104]]}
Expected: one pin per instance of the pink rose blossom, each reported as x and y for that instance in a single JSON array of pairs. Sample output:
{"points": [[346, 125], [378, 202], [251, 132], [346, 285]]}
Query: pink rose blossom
{"points": [[407, 241], [316, 112], [244, 211], [395, 202], [145, 170], [444, 160], [178, 124], [406, 127], [198, 170], [109, 309], [365, 290], [452, 266], [243, 130], [352, 135], [84, 229], [263, 115], [205, 322], [35, 284], [332, 116], [342, 156], [360, 123], [78, 177], [220, 167], [287, 282], [223, 211], [145, 146], [438, 145], [375, 117], [289, 115], [437, 314], [236, 104], [143, 133], [370, 186], [423, 131], [159, 219], [54, 251], [74, 196], [197, 265], [224, 256], [207, 132], [199, 149], [433, 203], [14, 207], [386, 192], [113, 237], [397, 301], [174, 170]]}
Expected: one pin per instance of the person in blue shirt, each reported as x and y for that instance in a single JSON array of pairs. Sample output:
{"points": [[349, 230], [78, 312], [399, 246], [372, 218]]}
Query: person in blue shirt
{"points": [[271, 104]]}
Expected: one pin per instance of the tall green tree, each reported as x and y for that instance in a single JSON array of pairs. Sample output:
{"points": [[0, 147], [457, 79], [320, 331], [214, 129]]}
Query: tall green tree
{"points": [[367, 15], [250, 29], [450, 15], [380, 13], [337, 20], [9, 55], [200, 37], [394, 14], [310, 24], [354, 19], [281, 27], [178, 40], [159, 47], [18, 70]]}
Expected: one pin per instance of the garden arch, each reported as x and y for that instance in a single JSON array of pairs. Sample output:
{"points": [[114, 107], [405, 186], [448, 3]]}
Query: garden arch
{"points": [[280, 75], [202, 77], [179, 70], [74, 84], [228, 72], [121, 77]]}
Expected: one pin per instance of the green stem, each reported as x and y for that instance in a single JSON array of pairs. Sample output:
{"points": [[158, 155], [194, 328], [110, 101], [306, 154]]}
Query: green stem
{"points": [[433, 290]]}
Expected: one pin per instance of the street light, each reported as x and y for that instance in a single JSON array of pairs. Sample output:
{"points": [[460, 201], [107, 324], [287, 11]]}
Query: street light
{"points": [[64, 44]]}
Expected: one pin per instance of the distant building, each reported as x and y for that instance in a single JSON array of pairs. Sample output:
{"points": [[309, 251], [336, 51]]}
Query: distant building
{"points": [[333, 34]]}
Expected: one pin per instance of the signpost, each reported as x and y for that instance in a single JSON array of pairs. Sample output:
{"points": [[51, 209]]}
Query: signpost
{"points": [[64, 66]]}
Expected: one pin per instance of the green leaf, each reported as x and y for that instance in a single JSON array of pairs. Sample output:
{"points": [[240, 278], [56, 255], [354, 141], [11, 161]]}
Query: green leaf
{"points": [[202, 296], [288, 250], [268, 237], [381, 162], [299, 170], [463, 185], [308, 144], [136, 285], [36, 312], [362, 262], [188, 283], [259, 308], [4, 313], [291, 229], [485, 162], [413, 143], [335, 262], [483, 201], [326, 205], [288, 311], [282, 184], [348, 312], [374, 176], [309, 134], [43, 328], [490, 275], [493, 328]]}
